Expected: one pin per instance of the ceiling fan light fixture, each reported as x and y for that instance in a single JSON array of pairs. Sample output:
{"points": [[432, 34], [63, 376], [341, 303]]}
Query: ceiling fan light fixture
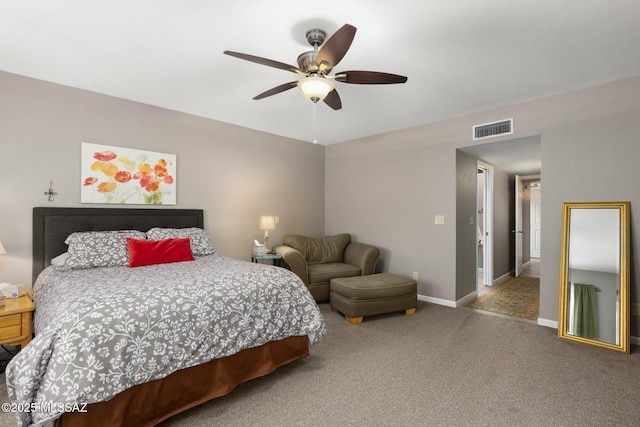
{"points": [[315, 88]]}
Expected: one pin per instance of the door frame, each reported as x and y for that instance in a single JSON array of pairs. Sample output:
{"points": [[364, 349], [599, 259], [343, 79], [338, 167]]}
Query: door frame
{"points": [[534, 187], [487, 264], [517, 228]]}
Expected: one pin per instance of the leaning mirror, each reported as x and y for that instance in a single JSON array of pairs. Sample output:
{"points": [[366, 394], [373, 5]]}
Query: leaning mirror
{"points": [[594, 274]]}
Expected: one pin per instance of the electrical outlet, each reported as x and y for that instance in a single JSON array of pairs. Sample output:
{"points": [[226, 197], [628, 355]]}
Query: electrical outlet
{"points": [[635, 309], [415, 275], [439, 219]]}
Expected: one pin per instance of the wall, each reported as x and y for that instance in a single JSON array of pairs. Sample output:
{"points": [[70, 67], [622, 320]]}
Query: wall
{"points": [[466, 231], [387, 188], [503, 211], [386, 191], [233, 173]]}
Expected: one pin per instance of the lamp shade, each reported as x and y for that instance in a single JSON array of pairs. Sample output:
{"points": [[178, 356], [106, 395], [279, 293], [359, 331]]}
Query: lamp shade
{"points": [[267, 223], [2, 251], [315, 88]]}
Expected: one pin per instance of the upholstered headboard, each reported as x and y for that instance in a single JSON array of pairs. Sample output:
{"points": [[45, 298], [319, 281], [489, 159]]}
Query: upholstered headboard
{"points": [[51, 226]]}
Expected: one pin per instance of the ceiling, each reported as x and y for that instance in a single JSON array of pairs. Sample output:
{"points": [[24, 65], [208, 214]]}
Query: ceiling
{"points": [[460, 57]]}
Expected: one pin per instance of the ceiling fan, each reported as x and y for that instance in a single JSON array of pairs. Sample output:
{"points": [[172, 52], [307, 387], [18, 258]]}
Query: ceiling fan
{"points": [[315, 66]]}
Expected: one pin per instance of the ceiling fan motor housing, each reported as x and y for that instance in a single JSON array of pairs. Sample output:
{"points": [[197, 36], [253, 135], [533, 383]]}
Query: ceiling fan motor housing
{"points": [[307, 61]]}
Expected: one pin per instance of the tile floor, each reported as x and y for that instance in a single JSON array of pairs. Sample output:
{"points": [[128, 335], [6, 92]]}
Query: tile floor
{"points": [[530, 269]]}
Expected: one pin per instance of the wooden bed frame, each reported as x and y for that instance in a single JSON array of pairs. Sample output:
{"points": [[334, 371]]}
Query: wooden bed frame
{"points": [[150, 403]]}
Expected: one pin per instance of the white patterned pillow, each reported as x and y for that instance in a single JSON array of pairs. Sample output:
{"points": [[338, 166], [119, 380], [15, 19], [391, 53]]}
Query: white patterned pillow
{"points": [[91, 249], [200, 244]]}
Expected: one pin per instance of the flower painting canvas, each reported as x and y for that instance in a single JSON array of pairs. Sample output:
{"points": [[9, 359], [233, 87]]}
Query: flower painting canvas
{"points": [[127, 176]]}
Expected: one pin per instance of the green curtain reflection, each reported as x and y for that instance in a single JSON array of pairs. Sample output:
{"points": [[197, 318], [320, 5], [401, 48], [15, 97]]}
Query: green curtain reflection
{"points": [[584, 319]]}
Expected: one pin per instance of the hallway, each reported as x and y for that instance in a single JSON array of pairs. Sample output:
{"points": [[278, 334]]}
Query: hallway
{"points": [[529, 269]]}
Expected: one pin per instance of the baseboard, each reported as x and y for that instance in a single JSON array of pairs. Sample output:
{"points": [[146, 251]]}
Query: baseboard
{"points": [[438, 301], [502, 278], [548, 323], [466, 299], [635, 340]]}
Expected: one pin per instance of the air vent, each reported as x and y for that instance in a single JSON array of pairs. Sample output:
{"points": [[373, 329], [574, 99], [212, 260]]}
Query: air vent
{"points": [[489, 130]]}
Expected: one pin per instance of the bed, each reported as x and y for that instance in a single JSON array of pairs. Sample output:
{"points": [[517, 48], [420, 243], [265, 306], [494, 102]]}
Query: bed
{"points": [[121, 345]]}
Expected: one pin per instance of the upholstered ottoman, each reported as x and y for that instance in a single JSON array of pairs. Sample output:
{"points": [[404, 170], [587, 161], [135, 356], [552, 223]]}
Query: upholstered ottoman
{"points": [[381, 293]]}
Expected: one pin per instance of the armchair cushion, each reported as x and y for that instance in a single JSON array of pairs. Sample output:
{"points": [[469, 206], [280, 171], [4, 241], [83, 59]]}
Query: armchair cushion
{"points": [[321, 273], [319, 250]]}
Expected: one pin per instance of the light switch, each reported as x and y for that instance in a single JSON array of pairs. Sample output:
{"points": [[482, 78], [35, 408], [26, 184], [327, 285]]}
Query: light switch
{"points": [[439, 219], [472, 220]]}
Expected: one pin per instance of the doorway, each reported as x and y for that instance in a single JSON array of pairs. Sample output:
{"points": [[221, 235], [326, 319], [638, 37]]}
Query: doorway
{"points": [[504, 159]]}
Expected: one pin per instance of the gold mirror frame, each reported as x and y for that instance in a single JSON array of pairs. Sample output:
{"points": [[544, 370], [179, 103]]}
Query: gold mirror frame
{"points": [[622, 308]]}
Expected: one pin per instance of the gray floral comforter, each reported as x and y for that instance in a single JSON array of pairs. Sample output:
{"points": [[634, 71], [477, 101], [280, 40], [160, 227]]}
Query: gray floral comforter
{"points": [[103, 330]]}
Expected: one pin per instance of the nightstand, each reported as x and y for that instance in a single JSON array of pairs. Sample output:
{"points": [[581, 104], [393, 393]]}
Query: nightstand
{"points": [[15, 321], [275, 258]]}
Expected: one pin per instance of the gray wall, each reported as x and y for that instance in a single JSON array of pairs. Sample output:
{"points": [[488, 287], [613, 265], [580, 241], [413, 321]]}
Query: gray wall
{"points": [[503, 248], [466, 231], [233, 173], [387, 188]]}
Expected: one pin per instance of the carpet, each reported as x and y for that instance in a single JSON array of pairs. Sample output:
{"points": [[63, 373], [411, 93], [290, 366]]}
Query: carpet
{"points": [[441, 366], [519, 296]]}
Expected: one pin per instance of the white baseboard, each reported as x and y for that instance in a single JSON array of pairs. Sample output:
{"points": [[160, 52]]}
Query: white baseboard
{"points": [[438, 301], [470, 297], [548, 323], [502, 278]]}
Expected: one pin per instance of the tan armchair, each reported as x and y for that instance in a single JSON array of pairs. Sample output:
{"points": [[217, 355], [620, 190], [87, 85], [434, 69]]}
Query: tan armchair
{"points": [[317, 260]]}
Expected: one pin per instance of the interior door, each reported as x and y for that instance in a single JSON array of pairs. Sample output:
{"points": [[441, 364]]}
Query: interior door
{"points": [[517, 232]]}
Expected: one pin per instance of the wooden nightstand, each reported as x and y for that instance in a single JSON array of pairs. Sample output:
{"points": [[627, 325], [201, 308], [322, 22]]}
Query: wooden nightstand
{"points": [[15, 321]]}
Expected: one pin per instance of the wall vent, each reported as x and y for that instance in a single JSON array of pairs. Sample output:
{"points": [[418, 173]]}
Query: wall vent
{"points": [[489, 130]]}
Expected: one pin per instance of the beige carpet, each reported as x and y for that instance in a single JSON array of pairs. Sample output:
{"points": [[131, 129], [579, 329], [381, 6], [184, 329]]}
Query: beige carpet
{"points": [[440, 367]]}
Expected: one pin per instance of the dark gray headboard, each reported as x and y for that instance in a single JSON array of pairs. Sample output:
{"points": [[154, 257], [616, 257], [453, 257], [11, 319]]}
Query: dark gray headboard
{"points": [[51, 226]]}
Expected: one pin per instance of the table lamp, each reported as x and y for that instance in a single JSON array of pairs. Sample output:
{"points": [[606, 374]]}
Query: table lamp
{"points": [[267, 223]]}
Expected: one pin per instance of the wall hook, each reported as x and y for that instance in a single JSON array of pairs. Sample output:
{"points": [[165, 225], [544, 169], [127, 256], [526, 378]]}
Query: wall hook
{"points": [[50, 192]]}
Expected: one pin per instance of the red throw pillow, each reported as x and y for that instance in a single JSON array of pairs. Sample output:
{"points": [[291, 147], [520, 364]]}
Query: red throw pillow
{"points": [[149, 252]]}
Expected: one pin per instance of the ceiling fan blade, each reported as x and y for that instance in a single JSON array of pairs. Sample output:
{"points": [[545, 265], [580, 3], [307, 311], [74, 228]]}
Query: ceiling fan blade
{"points": [[333, 100], [276, 90], [264, 61], [334, 49], [369, 77]]}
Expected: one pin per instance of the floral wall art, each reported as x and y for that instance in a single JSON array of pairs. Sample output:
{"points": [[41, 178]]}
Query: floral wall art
{"points": [[127, 176]]}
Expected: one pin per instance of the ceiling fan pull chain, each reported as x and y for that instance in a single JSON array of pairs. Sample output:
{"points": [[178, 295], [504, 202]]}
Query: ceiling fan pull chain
{"points": [[315, 131]]}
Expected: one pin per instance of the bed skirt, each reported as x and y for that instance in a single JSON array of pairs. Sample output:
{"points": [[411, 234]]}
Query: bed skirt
{"points": [[150, 403]]}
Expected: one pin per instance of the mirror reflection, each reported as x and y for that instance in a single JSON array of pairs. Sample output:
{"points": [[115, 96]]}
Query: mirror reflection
{"points": [[594, 280]]}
